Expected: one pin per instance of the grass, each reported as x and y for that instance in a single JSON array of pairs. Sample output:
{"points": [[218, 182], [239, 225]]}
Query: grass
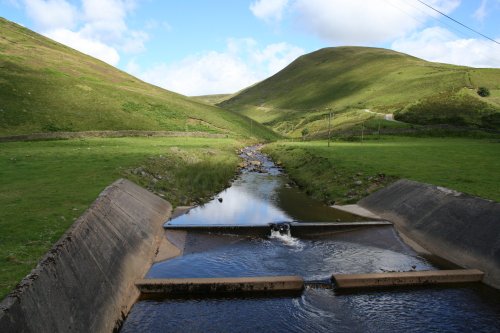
{"points": [[48, 87], [348, 171], [211, 99], [46, 185], [349, 80]]}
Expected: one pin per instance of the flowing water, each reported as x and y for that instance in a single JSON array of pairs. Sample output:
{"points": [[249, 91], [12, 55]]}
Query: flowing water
{"points": [[261, 195]]}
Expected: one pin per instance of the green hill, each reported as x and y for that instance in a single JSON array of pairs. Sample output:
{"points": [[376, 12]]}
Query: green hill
{"points": [[360, 83], [48, 87], [212, 99]]}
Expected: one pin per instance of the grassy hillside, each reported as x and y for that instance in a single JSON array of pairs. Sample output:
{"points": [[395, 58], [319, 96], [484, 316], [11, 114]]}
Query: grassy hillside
{"points": [[46, 87], [359, 83], [212, 99]]}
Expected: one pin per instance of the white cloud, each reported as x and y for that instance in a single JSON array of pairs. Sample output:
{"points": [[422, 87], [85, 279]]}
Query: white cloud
{"points": [[364, 22], [88, 46], [242, 63], [268, 10], [96, 27], [480, 12], [51, 14], [440, 45], [353, 22]]}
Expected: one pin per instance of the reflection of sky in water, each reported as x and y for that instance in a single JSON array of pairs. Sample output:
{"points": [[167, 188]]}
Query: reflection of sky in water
{"points": [[250, 200]]}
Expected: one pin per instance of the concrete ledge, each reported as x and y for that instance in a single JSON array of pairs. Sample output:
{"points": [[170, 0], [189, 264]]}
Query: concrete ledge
{"points": [[457, 227], [263, 230], [357, 210], [406, 278], [85, 283], [220, 285]]}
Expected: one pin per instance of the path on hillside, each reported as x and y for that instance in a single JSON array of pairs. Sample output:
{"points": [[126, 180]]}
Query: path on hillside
{"points": [[387, 116]]}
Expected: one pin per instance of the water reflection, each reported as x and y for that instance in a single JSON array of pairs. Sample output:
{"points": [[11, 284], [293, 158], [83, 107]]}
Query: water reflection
{"points": [[261, 195]]}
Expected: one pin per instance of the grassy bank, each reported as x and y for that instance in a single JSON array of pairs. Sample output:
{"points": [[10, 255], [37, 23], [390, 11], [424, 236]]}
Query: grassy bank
{"points": [[46, 185], [348, 171]]}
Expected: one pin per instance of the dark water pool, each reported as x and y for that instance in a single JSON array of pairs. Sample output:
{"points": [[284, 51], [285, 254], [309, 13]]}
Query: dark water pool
{"points": [[459, 309], [261, 195]]}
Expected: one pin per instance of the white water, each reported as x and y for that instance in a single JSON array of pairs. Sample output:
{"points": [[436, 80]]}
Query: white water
{"points": [[287, 239]]}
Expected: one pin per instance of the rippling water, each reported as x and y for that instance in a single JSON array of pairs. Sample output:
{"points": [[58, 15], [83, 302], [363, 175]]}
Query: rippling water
{"points": [[258, 197], [310, 258]]}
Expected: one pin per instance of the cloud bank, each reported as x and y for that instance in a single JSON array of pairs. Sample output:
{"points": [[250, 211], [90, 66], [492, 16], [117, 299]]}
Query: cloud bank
{"points": [[407, 26], [243, 63]]}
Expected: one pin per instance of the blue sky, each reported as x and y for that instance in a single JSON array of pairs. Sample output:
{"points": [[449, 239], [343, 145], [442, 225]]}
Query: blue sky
{"points": [[199, 47]]}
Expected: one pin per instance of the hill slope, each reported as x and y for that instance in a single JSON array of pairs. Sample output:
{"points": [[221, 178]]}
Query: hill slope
{"points": [[353, 80], [46, 86]]}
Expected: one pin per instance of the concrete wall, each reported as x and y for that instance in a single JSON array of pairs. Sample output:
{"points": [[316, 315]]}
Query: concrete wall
{"points": [[85, 283], [457, 227]]}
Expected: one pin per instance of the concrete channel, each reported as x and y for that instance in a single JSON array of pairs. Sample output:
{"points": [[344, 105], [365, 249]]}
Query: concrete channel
{"points": [[93, 275]]}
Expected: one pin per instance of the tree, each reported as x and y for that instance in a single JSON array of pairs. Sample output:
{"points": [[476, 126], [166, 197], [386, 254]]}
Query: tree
{"points": [[483, 91]]}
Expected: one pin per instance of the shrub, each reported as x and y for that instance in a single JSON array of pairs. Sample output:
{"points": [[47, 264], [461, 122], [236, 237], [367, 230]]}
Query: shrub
{"points": [[483, 91]]}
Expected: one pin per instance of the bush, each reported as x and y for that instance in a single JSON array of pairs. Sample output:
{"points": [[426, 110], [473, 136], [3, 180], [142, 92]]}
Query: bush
{"points": [[305, 132], [449, 109], [483, 92]]}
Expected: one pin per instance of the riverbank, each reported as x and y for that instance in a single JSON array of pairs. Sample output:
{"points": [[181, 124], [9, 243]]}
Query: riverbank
{"points": [[345, 172], [47, 185]]}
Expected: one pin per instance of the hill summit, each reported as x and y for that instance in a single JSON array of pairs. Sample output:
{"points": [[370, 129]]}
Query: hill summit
{"points": [[48, 87], [359, 83]]}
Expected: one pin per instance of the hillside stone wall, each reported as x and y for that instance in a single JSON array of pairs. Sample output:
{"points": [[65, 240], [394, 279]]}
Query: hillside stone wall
{"points": [[106, 134]]}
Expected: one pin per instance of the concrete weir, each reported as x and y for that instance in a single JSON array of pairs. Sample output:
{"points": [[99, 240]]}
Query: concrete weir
{"points": [[406, 278], [207, 286], [85, 283], [263, 230], [457, 227]]}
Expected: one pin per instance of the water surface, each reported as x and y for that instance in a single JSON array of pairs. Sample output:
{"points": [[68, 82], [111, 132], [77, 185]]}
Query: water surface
{"points": [[261, 195]]}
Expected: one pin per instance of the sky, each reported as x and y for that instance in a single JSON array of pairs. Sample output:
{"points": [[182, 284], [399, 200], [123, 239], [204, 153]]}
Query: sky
{"points": [[198, 47]]}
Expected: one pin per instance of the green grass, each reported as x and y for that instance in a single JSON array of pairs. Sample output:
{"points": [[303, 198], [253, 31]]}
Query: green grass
{"points": [[48, 87], [46, 185], [346, 172], [349, 80], [212, 99]]}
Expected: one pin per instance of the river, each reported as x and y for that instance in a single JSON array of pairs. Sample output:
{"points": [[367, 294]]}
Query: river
{"points": [[261, 194]]}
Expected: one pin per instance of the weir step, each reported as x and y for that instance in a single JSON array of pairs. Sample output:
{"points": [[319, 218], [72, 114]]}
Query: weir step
{"points": [[205, 286], [297, 228], [406, 278]]}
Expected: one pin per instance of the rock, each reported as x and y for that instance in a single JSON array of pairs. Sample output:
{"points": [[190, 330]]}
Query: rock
{"points": [[358, 183], [220, 199]]}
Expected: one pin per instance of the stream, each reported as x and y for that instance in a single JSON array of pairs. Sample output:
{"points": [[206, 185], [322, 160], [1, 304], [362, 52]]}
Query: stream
{"points": [[262, 194]]}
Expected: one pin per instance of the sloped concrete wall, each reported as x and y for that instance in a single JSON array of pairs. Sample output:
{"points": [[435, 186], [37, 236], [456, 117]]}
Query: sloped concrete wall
{"points": [[85, 283], [458, 227]]}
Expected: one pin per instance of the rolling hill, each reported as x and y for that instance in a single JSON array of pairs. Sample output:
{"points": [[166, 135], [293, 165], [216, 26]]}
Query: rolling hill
{"points": [[360, 84], [48, 87]]}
